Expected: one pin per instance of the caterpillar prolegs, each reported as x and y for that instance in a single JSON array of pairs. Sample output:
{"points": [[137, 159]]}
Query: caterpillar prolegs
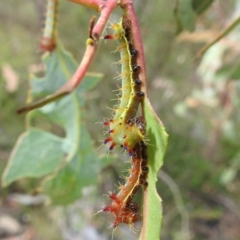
{"points": [[122, 130], [126, 130], [123, 208]]}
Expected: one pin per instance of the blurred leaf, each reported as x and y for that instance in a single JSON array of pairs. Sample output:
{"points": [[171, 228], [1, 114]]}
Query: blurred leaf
{"points": [[11, 78], [60, 66], [184, 15], [38, 153], [235, 72], [82, 171], [35, 154], [221, 35], [89, 82], [230, 173], [230, 70], [200, 6], [152, 212], [228, 176]]}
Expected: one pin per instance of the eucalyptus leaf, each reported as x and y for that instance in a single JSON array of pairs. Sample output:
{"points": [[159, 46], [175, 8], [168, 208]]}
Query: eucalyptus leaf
{"points": [[62, 159], [35, 154], [152, 207], [185, 16], [200, 6], [82, 171]]}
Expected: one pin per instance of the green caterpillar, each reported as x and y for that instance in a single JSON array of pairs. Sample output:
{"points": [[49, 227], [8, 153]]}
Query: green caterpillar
{"points": [[123, 131]]}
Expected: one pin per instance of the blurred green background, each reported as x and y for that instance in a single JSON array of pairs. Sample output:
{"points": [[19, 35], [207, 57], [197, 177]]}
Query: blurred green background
{"points": [[198, 102]]}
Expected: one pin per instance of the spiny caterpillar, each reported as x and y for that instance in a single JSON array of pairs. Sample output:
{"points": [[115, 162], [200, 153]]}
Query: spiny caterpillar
{"points": [[48, 40], [122, 207], [122, 130]]}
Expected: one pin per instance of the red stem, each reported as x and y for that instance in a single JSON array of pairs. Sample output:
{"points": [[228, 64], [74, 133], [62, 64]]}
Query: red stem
{"points": [[106, 9], [89, 3], [137, 41]]}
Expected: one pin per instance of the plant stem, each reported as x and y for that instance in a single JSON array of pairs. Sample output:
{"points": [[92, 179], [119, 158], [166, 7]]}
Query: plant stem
{"points": [[137, 41], [218, 37], [105, 8]]}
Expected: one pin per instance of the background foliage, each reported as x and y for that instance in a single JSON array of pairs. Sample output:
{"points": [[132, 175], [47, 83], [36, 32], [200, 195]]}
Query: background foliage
{"points": [[197, 101]]}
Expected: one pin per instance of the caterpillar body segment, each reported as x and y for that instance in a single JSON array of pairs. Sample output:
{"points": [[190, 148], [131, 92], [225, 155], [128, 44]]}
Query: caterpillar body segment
{"points": [[121, 132], [48, 40], [123, 207], [126, 135]]}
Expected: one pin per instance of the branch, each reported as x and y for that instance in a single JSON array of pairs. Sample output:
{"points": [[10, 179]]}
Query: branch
{"points": [[89, 3], [105, 8], [137, 41], [218, 38]]}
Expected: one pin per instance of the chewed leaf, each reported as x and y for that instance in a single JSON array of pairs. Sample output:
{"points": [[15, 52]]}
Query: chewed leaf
{"points": [[35, 154], [82, 171], [60, 66], [66, 114], [38, 153], [152, 207]]}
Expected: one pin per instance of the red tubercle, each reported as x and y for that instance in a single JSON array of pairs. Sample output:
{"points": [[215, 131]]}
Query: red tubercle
{"points": [[112, 146], [122, 207], [115, 224], [107, 123], [109, 37], [109, 209], [112, 196], [129, 214], [109, 139], [115, 198], [130, 151]]}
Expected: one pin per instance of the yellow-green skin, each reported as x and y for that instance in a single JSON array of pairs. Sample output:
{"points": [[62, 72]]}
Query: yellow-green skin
{"points": [[122, 133], [49, 32]]}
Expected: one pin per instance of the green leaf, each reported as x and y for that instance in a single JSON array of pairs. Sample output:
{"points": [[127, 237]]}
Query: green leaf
{"points": [[60, 66], [89, 82], [82, 171], [235, 71], [185, 13], [38, 153], [152, 207], [200, 6], [66, 114], [185, 16], [35, 154]]}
